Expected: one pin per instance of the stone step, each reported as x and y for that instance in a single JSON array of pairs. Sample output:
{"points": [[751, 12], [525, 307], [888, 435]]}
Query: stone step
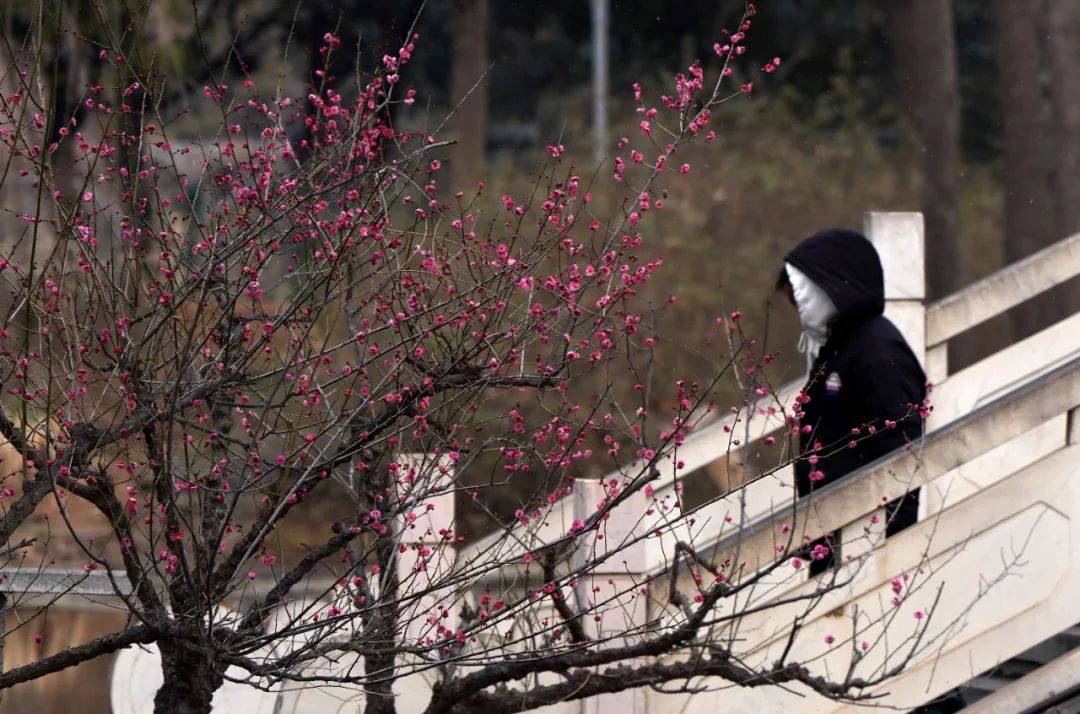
{"points": [[1022, 665]]}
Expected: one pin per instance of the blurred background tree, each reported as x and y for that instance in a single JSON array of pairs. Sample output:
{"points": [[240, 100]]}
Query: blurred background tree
{"points": [[966, 110], [968, 105]]}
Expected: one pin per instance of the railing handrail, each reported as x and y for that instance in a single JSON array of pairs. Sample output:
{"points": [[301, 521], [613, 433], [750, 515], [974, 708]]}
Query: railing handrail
{"points": [[935, 454], [1004, 289], [691, 457], [60, 581], [697, 451], [77, 582]]}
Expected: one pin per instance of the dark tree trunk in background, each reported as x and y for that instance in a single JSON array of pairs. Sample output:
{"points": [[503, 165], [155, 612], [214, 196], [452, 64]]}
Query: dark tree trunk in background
{"points": [[1063, 49], [3, 629], [1029, 215], [924, 46], [468, 98], [70, 78]]}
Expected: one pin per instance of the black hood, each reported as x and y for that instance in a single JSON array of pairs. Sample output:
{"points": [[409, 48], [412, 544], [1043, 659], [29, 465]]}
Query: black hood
{"points": [[846, 266]]}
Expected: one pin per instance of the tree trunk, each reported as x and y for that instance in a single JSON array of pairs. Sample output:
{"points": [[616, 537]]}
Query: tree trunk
{"points": [[1039, 48], [380, 630], [1063, 48], [3, 629], [379, 696], [1029, 215], [924, 45], [469, 92], [190, 683]]}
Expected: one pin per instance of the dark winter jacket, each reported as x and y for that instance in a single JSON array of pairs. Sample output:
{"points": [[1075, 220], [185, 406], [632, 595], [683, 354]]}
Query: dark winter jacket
{"points": [[865, 377]]}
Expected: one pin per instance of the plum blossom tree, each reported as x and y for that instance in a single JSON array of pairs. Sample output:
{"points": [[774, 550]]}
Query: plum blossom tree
{"points": [[209, 340]]}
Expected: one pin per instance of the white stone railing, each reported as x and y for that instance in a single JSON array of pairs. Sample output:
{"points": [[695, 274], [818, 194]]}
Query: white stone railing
{"points": [[899, 240], [995, 294], [998, 563], [71, 589]]}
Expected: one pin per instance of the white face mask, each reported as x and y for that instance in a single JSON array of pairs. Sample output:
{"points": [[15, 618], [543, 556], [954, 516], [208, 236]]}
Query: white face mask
{"points": [[816, 311]]}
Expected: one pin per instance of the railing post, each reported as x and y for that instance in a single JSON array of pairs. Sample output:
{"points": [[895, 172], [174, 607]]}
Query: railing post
{"points": [[611, 590], [427, 547], [899, 239], [426, 555]]}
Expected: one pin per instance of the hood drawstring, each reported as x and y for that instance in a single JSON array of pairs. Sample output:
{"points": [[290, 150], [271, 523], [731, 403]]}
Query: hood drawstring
{"points": [[816, 311], [810, 350]]}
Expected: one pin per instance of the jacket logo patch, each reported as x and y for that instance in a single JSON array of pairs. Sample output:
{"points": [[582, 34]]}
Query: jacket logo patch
{"points": [[833, 384]]}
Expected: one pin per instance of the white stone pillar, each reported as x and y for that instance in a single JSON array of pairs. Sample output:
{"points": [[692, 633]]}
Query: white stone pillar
{"points": [[612, 588], [427, 548], [899, 239], [425, 559]]}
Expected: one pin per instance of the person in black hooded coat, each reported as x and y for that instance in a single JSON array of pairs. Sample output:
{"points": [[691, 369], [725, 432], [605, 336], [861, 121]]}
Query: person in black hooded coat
{"points": [[865, 394]]}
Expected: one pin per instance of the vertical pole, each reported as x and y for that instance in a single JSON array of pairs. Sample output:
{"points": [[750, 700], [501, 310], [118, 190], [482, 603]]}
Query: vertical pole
{"points": [[600, 78]]}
